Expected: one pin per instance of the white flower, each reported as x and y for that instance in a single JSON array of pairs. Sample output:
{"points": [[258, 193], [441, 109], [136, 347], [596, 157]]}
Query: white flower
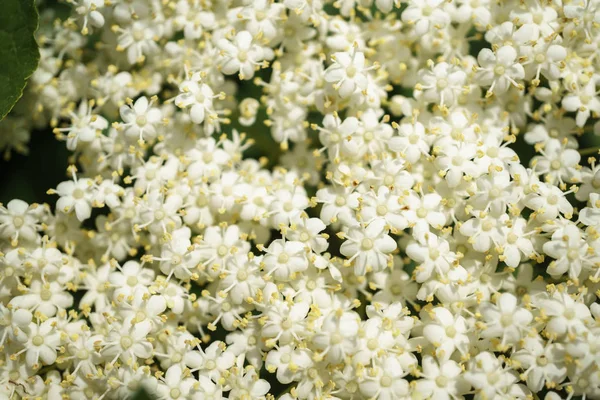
{"points": [[140, 119], [483, 232], [442, 83], [75, 196], [422, 214], [337, 336], [517, 244], [433, 255], [240, 55], [347, 72], [411, 142], [18, 220], [558, 163], [441, 381], [566, 315], [288, 362], [247, 384], [548, 201], [176, 384], [198, 97], [45, 298], [368, 248], [499, 70], [385, 381], [569, 251], [128, 342], [42, 344], [85, 125], [14, 324], [285, 258], [447, 332], [424, 15], [505, 320], [584, 101], [542, 362], [491, 380]]}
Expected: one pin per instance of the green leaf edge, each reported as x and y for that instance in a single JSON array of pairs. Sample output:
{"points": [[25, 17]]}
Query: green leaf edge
{"points": [[29, 3]]}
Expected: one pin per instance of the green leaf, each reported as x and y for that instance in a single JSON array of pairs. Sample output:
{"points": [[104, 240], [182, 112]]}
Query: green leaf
{"points": [[19, 54]]}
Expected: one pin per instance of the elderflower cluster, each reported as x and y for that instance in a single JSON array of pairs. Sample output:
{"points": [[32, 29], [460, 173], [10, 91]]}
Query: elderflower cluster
{"points": [[422, 219]]}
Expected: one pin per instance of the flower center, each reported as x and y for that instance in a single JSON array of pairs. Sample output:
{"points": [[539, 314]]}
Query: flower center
{"points": [[382, 210], [288, 206], [492, 152], [372, 344], [241, 275], [283, 258], [366, 244], [286, 324], [126, 342], [37, 340], [583, 383], [506, 320], [210, 364], [442, 83], [351, 71], [18, 222], [175, 393], [573, 254], [569, 314], [441, 381], [336, 338], [242, 56], [487, 226], [422, 212], [450, 331], [540, 58], [45, 294], [542, 361], [512, 238], [555, 164], [222, 250], [132, 280], [585, 99], [304, 237], [286, 358], [457, 160], [553, 200], [493, 378], [499, 70], [141, 120], [78, 194], [386, 381], [138, 34], [82, 354]]}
